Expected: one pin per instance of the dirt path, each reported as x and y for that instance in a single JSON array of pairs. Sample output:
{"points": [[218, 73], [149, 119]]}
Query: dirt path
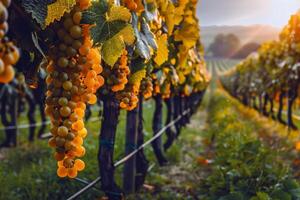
{"points": [[179, 179]]}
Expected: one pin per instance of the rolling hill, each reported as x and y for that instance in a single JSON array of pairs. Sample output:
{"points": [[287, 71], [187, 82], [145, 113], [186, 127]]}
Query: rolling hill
{"points": [[254, 33]]}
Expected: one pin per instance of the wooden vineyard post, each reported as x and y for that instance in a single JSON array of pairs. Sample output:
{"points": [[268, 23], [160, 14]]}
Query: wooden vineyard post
{"points": [[31, 116], [156, 127], [9, 104], [292, 95], [177, 113], [170, 131], [141, 162], [111, 113], [130, 145], [280, 108]]}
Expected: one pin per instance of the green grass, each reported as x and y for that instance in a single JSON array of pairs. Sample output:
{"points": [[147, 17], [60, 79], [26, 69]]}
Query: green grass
{"points": [[246, 163], [29, 170]]}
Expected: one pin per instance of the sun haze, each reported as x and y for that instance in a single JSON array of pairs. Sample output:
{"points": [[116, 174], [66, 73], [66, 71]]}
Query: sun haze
{"points": [[245, 12]]}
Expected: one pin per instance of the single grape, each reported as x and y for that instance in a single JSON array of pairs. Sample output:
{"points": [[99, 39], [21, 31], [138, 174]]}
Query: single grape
{"points": [[65, 111], [76, 32], [62, 62], [77, 17], [63, 101], [62, 131], [68, 23], [67, 85]]}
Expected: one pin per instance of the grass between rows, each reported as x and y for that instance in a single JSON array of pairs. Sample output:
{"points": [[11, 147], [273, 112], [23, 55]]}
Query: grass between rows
{"points": [[29, 170], [250, 156]]}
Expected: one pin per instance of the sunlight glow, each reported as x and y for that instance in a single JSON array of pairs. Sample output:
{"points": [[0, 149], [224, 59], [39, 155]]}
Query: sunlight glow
{"points": [[245, 12]]}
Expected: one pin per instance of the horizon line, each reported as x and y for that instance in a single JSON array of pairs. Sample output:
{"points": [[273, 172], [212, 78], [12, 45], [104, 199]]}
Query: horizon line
{"points": [[243, 25]]}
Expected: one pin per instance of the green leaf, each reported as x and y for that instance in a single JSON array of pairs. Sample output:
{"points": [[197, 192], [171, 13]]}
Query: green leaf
{"points": [[137, 77], [233, 196], [127, 33], [119, 13], [295, 193], [107, 22], [150, 37], [291, 184], [280, 195], [95, 12], [37, 8], [150, 11], [106, 31], [142, 48], [112, 49], [263, 196]]}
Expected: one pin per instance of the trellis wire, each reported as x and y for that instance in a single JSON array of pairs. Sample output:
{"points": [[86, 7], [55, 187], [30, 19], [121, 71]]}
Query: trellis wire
{"points": [[126, 158], [23, 126]]}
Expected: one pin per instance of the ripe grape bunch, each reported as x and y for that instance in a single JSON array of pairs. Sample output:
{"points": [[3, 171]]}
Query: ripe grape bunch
{"points": [[9, 53], [166, 90], [147, 87], [131, 5], [72, 82], [128, 98], [117, 76], [156, 85]]}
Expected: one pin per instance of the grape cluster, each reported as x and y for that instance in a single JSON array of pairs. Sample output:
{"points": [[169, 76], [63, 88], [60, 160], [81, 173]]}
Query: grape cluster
{"points": [[186, 90], [128, 98], [147, 87], [116, 78], [9, 53], [117, 82], [131, 4], [166, 90], [73, 78], [156, 85]]}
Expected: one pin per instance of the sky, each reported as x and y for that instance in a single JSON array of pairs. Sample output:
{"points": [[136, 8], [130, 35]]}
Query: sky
{"points": [[246, 12]]}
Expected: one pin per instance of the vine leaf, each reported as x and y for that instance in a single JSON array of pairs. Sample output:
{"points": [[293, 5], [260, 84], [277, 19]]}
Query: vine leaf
{"points": [[170, 18], [37, 9], [162, 53], [137, 77], [150, 37], [58, 9], [181, 77], [127, 34], [188, 34], [149, 10], [110, 29], [118, 13], [142, 47], [112, 49]]}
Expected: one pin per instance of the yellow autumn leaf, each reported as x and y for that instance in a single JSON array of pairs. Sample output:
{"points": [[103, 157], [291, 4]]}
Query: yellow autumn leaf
{"points": [[183, 2], [118, 13], [182, 56], [188, 34], [112, 49], [170, 18], [162, 6], [137, 77], [162, 54], [181, 77], [58, 9], [179, 11], [127, 34], [178, 14]]}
